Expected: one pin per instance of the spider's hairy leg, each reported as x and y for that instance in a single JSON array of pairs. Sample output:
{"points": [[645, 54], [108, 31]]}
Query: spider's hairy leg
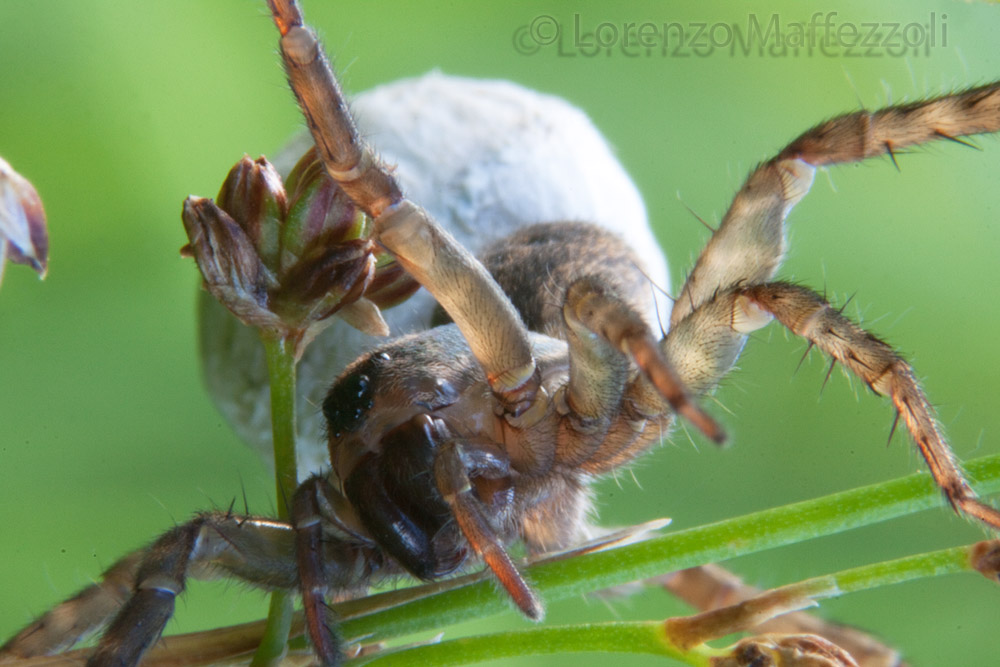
{"points": [[705, 344], [864, 134], [597, 378], [701, 349], [594, 293], [709, 322], [140, 590], [73, 620], [307, 516], [433, 257], [749, 245], [808, 315]]}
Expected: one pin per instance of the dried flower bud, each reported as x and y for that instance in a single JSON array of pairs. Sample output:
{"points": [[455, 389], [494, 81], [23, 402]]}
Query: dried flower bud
{"points": [[254, 196], [321, 213], [24, 237], [285, 259], [228, 261]]}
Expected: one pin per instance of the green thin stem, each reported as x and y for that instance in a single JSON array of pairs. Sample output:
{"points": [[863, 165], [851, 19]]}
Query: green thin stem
{"points": [[280, 352], [281, 358], [274, 641], [461, 601], [648, 637], [908, 568], [638, 637], [396, 614]]}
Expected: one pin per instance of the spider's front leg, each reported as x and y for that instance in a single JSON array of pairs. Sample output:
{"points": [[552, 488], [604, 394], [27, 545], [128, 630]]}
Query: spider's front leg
{"points": [[460, 284], [749, 245], [728, 293], [486, 317], [139, 591], [808, 315], [320, 553]]}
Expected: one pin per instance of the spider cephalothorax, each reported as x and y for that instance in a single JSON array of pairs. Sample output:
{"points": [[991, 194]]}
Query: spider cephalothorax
{"points": [[453, 443]]}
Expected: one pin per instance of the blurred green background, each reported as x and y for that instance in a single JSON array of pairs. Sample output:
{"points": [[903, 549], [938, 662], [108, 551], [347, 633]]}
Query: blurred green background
{"points": [[117, 111]]}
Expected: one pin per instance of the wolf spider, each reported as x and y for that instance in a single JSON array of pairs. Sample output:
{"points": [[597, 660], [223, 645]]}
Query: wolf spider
{"points": [[453, 443]]}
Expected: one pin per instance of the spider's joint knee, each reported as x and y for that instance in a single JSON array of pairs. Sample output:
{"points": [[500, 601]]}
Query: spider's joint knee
{"points": [[535, 411], [300, 45], [307, 521], [404, 226], [748, 315], [796, 179], [161, 583], [365, 161]]}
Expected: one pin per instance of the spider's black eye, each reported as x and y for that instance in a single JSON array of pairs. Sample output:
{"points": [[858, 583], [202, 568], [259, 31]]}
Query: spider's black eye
{"points": [[347, 402]]}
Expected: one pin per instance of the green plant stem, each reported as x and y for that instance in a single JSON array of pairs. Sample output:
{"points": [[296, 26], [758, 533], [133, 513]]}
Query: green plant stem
{"points": [[648, 637], [712, 543], [919, 566], [399, 613], [281, 358], [280, 352], [637, 637], [272, 645]]}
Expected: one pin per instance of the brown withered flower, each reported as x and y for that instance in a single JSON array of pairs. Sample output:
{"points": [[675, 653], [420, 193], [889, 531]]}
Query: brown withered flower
{"points": [[24, 237], [285, 257]]}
